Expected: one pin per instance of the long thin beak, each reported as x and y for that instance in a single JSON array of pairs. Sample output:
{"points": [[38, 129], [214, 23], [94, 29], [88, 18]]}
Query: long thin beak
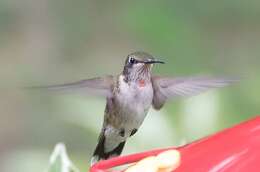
{"points": [[153, 61]]}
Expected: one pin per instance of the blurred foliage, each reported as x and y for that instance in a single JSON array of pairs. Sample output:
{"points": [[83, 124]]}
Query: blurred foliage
{"points": [[56, 41]]}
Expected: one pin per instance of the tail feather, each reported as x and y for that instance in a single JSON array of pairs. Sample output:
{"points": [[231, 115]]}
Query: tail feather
{"points": [[101, 154]]}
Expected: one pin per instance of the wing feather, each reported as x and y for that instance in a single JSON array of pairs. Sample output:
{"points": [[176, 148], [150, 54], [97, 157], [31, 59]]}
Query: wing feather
{"points": [[100, 85], [166, 88]]}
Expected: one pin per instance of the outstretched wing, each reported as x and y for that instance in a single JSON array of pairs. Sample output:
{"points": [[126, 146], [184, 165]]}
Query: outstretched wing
{"points": [[166, 87], [100, 85]]}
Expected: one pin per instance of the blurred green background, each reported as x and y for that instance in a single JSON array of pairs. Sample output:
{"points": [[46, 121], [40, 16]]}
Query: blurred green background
{"points": [[56, 41]]}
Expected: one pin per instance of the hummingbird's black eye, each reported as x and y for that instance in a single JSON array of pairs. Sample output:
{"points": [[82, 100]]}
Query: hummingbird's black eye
{"points": [[132, 60]]}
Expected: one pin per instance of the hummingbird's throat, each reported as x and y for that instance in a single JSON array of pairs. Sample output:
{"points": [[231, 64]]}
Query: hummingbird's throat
{"points": [[141, 83]]}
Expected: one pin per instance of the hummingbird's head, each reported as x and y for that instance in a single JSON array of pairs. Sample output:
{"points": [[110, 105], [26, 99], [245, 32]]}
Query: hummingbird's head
{"points": [[138, 66]]}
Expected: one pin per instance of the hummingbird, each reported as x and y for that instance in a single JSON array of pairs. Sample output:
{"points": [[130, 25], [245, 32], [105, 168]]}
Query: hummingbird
{"points": [[131, 94]]}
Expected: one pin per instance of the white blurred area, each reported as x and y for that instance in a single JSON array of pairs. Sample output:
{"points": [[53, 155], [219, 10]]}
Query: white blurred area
{"points": [[200, 115]]}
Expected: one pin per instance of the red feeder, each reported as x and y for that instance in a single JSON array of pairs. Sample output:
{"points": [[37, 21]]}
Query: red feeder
{"points": [[234, 149]]}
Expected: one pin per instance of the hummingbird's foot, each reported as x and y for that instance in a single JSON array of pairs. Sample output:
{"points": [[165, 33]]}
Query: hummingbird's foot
{"points": [[122, 133], [133, 132]]}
